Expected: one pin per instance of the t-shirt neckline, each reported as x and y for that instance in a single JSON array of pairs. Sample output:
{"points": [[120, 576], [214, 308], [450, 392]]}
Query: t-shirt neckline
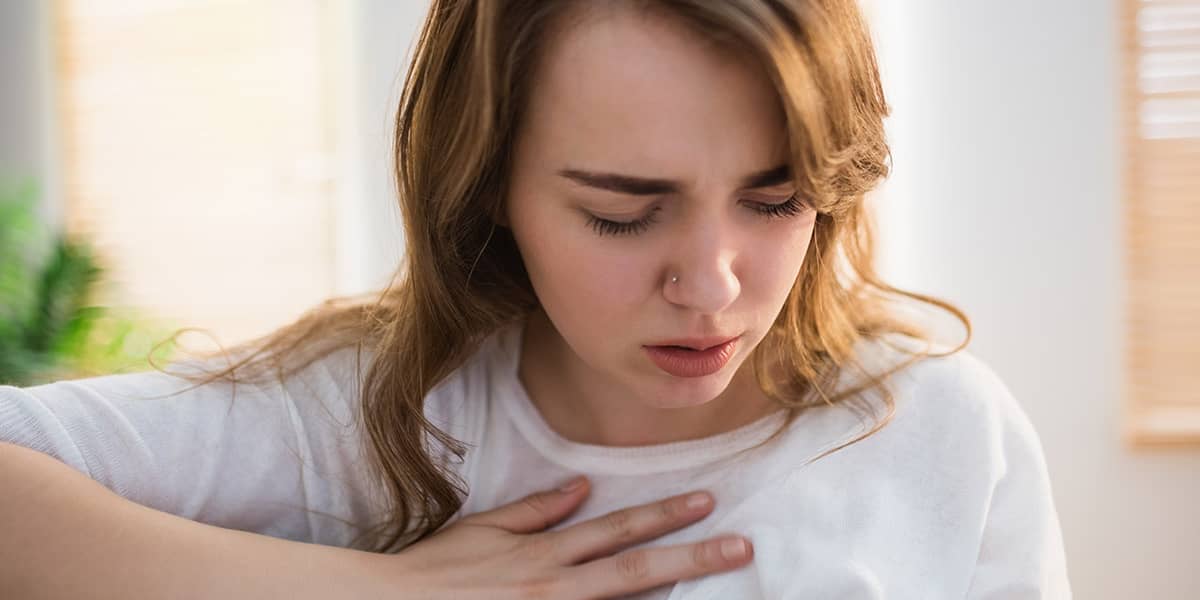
{"points": [[614, 460]]}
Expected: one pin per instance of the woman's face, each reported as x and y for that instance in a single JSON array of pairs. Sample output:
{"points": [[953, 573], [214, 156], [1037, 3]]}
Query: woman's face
{"points": [[648, 152]]}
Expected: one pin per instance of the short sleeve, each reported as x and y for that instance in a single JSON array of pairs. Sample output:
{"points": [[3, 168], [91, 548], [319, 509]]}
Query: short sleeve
{"points": [[1021, 554], [281, 459]]}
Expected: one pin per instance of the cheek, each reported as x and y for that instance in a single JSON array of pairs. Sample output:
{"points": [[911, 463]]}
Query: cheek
{"points": [[580, 278], [797, 245], [775, 259], [596, 282]]}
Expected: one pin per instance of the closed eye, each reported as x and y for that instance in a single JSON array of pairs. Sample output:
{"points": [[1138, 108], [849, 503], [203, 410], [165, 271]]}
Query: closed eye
{"points": [[605, 227], [791, 207]]}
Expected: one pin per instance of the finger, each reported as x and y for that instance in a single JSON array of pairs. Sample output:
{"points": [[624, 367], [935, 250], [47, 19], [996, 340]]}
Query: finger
{"points": [[617, 530], [643, 569], [537, 511]]}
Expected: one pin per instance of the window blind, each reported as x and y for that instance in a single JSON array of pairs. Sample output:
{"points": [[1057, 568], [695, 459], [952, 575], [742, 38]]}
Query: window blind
{"points": [[199, 144], [1162, 216]]}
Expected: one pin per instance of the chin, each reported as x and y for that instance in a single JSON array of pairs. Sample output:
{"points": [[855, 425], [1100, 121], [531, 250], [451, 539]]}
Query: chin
{"points": [[668, 391]]}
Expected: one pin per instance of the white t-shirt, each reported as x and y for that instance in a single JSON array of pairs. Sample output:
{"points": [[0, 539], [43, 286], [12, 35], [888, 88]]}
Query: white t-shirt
{"points": [[950, 500]]}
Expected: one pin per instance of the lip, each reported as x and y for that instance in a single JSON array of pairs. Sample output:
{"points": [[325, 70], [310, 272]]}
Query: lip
{"points": [[682, 362], [703, 343]]}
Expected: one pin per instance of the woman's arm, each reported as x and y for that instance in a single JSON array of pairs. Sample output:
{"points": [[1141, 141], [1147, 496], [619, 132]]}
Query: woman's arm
{"points": [[1021, 553], [279, 459], [67, 536]]}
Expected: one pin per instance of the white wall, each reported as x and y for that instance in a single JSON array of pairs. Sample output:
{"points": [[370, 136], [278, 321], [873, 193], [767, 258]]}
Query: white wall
{"points": [[28, 144], [379, 34], [1007, 198]]}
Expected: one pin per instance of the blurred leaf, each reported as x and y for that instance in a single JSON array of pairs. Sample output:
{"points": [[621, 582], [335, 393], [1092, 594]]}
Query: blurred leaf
{"points": [[74, 338], [63, 291], [18, 245], [48, 330]]}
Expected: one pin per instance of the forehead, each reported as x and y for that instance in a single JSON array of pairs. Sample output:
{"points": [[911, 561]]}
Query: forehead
{"points": [[639, 91]]}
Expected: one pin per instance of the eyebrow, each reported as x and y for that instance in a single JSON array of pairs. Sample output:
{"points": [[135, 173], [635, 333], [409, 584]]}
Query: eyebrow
{"points": [[642, 186]]}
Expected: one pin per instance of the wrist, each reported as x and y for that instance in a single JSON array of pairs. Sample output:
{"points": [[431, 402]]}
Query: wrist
{"points": [[391, 576]]}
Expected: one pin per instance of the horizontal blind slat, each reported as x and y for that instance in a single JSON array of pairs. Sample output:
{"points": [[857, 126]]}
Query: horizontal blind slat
{"points": [[1162, 211]]}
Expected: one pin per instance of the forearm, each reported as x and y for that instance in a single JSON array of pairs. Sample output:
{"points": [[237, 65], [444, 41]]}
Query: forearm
{"points": [[66, 536]]}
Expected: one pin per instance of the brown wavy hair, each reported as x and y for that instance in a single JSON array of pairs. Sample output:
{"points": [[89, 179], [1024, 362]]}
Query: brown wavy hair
{"points": [[462, 278]]}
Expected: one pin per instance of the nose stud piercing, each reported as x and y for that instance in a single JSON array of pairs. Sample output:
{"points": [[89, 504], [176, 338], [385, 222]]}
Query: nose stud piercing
{"points": [[674, 279]]}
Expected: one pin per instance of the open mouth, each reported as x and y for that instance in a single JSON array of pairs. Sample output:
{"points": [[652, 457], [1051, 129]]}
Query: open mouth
{"points": [[685, 361]]}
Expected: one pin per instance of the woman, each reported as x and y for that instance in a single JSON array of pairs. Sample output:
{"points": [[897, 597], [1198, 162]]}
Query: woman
{"points": [[637, 253]]}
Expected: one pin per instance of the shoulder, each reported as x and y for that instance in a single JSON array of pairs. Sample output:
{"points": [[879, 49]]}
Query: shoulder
{"points": [[986, 459], [461, 403], [946, 389], [954, 408], [948, 417]]}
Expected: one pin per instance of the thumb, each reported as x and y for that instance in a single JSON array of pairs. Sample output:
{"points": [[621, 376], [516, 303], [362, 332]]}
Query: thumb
{"points": [[536, 511]]}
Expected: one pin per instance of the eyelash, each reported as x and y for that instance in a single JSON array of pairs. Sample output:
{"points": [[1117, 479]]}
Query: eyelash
{"points": [[793, 206]]}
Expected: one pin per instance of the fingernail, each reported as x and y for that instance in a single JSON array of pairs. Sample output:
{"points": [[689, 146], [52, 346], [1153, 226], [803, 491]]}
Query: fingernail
{"points": [[698, 500], [572, 485], [734, 549]]}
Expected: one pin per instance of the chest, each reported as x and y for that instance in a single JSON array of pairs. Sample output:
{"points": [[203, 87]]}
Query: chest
{"points": [[817, 533]]}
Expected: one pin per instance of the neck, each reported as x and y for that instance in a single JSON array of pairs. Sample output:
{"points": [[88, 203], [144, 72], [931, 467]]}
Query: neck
{"points": [[585, 406]]}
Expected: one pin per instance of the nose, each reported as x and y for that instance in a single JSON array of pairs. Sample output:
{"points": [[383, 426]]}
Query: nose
{"points": [[703, 261]]}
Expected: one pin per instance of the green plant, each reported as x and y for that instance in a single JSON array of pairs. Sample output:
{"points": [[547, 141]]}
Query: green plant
{"points": [[49, 329]]}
